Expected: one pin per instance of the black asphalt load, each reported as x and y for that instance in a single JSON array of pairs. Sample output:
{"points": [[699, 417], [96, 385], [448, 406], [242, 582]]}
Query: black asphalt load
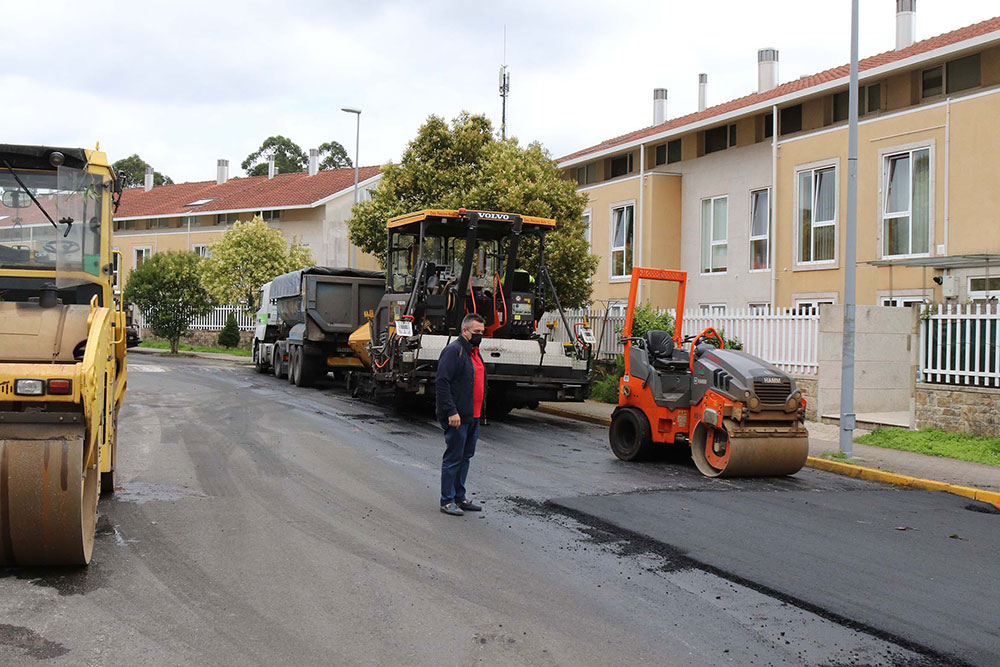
{"points": [[917, 568]]}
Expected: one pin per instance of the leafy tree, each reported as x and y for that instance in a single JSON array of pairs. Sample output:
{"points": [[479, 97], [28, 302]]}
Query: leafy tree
{"points": [[333, 156], [230, 334], [248, 255], [133, 170], [466, 165], [288, 157], [168, 288]]}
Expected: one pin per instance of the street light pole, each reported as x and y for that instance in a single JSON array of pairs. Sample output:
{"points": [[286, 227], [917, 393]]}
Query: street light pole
{"points": [[357, 147]]}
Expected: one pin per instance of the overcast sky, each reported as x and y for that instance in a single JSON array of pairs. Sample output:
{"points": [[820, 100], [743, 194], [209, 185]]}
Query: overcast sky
{"points": [[185, 83]]}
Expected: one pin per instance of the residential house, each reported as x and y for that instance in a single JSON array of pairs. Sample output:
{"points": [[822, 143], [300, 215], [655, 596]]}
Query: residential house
{"points": [[750, 196]]}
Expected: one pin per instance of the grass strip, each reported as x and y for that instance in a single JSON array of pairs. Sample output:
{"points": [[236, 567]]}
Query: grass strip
{"points": [[184, 347], [935, 442]]}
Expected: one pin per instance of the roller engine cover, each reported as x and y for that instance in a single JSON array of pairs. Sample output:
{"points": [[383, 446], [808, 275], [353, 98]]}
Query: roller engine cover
{"points": [[733, 373]]}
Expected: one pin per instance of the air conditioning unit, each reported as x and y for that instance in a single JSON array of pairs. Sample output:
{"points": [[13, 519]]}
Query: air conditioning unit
{"points": [[949, 287]]}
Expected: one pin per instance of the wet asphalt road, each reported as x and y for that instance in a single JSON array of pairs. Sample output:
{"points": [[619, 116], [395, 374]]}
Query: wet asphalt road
{"points": [[260, 524]]}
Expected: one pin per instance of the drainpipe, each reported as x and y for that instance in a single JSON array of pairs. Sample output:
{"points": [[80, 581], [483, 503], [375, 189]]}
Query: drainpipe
{"points": [[642, 186], [773, 201], [947, 169]]}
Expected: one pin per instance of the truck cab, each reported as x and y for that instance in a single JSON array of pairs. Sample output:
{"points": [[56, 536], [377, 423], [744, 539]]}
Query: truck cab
{"points": [[266, 330]]}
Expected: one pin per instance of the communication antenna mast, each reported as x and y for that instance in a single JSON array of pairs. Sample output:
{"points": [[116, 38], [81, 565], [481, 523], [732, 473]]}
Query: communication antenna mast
{"points": [[504, 88]]}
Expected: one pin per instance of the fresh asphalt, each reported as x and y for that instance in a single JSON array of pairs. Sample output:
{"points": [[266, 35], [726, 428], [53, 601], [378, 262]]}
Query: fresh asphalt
{"points": [[258, 524]]}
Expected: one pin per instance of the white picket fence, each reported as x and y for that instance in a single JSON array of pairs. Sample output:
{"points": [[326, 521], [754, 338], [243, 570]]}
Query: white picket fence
{"points": [[214, 321], [960, 344], [786, 338]]}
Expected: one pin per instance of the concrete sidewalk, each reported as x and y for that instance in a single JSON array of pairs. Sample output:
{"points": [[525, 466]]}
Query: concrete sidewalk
{"points": [[218, 356], [824, 439]]}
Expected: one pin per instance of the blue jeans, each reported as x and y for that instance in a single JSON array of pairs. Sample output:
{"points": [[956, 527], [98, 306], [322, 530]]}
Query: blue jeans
{"points": [[460, 447]]}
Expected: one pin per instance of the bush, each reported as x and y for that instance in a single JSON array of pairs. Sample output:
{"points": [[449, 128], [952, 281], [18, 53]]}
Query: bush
{"points": [[229, 337], [646, 319], [605, 387]]}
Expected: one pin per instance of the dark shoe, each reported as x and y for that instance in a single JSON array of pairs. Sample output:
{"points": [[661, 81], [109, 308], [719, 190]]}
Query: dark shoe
{"points": [[452, 509], [470, 506]]}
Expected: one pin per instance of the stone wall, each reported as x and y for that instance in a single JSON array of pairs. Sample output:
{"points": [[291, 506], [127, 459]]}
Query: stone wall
{"points": [[201, 337], [973, 410], [809, 384]]}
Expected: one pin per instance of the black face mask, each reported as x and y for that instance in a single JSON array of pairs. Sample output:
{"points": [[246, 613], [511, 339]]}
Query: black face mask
{"points": [[476, 339]]}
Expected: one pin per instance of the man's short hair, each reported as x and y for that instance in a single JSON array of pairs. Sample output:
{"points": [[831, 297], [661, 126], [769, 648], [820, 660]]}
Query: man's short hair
{"points": [[470, 318]]}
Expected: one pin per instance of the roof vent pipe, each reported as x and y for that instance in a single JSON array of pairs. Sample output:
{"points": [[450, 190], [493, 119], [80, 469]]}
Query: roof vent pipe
{"points": [[906, 23], [148, 181], [313, 161], [767, 69], [702, 92], [222, 172], [271, 171], [659, 106]]}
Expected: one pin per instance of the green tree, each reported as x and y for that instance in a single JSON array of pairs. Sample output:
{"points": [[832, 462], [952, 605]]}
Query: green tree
{"points": [[168, 289], [248, 255], [466, 165], [230, 334], [288, 157], [133, 170], [333, 156]]}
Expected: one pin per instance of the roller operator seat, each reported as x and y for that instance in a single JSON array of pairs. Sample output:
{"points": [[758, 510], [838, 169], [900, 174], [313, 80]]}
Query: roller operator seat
{"points": [[660, 349]]}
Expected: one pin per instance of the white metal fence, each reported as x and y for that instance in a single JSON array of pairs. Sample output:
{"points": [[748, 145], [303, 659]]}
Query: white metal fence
{"points": [[786, 338], [214, 321], [959, 345]]}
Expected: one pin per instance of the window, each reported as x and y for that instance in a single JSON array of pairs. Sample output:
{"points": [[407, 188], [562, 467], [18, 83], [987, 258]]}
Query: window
{"points": [[228, 218], [622, 229], [191, 221], [199, 202], [621, 165], [768, 125], [790, 120], [673, 151], [116, 271], [714, 231], [869, 101], [586, 174], [760, 229], [906, 203], [874, 97], [810, 306], [159, 223], [963, 73], [585, 219], [932, 81], [661, 154], [202, 250], [617, 308], [902, 301], [270, 216], [759, 308], [720, 138], [817, 214], [712, 309], [124, 225], [981, 287], [140, 255]]}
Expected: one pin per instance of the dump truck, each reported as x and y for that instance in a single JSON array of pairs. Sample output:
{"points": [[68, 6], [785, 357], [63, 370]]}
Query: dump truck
{"points": [[305, 318], [740, 415], [444, 264], [62, 351]]}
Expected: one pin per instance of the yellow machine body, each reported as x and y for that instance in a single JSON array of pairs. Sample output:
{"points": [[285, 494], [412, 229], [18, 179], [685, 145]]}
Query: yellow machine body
{"points": [[62, 352]]}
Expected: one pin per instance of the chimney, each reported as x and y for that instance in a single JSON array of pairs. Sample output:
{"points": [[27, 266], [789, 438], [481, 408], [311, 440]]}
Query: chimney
{"points": [[906, 23], [222, 172], [767, 69], [271, 170], [148, 181], [702, 92], [659, 106], [313, 161]]}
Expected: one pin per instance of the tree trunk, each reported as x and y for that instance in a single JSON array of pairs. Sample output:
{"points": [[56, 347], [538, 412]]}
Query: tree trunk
{"points": [[173, 345]]}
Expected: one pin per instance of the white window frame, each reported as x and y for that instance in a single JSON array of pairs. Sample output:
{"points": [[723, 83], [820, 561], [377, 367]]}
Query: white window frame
{"points": [[192, 220], [116, 269], [589, 216], [614, 277], [982, 295], [814, 301], [713, 309], [900, 301], [270, 215], [766, 237], [814, 167], [714, 242], [147, 252], [202, 250], [760, 308], [617, 308], [223, 218], [158, 223], [884, 156]]}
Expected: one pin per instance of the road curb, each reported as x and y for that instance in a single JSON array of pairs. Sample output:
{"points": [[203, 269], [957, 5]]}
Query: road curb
{"points": [[847, 469], [153, 352]]}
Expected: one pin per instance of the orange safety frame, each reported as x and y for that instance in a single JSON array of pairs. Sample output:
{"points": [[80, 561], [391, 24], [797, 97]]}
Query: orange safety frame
{"points": [[639, 273]]}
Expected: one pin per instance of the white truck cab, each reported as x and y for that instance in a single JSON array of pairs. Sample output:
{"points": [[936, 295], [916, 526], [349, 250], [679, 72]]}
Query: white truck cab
{"points": [[265, 330]]}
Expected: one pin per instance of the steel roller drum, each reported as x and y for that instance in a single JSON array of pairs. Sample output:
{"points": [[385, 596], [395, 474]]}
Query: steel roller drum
{"points": [[760, 450]]}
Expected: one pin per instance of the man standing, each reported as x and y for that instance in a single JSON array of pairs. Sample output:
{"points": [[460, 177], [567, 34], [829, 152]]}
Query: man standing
{"points": [[460, 388]]}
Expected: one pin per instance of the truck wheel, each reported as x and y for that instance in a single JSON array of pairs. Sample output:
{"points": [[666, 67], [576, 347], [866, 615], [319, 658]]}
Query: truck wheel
{"points": [[293, 365], [629, 435], [258, 363], [276, 362], [498, 409], [303, 370]]}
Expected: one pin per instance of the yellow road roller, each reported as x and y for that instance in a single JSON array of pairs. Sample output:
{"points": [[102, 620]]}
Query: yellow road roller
{"points": [[62, 351]]}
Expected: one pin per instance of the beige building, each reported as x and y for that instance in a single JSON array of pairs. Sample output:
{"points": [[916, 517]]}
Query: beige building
{"points": [[311, 207], [749, 196]]}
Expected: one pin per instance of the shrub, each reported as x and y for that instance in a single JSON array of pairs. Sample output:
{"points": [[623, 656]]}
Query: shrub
{"points": [[230, 335]]}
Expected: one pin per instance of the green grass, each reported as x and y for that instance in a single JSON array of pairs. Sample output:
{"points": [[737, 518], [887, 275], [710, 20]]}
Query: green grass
{"points": [[935, 442], [840, 457], [184, 347]]}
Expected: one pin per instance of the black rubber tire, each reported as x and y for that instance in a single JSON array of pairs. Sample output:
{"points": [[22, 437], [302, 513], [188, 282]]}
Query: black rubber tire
{"points": [[629, 435], [258, 363], [293, 365], [303, 370], [276, 362], [497, 409]]}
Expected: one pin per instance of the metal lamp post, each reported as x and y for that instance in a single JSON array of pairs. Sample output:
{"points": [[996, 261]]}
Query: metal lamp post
{"points": [[357, 145]]}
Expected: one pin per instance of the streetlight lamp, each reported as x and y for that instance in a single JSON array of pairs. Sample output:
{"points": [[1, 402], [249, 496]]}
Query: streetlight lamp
{"points": [[357, 145]]}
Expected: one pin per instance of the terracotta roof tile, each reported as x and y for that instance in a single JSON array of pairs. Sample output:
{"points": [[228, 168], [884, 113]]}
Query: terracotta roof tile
{"points": [[954, 37], [257, 192]]}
